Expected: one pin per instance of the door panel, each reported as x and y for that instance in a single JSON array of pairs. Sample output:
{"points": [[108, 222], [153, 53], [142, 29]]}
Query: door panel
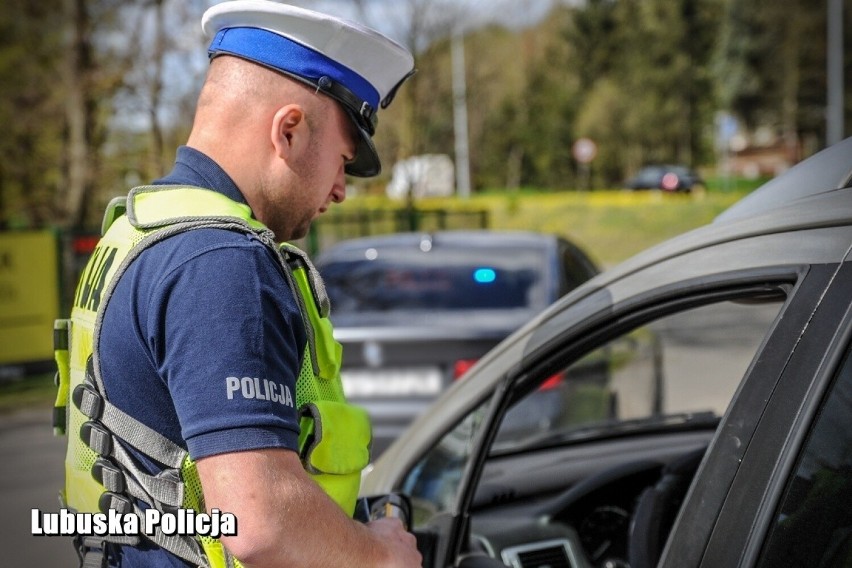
{"points": [[768, 455]]}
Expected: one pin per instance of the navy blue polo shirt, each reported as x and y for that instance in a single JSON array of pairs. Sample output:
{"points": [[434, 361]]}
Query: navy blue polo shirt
{"points": [[198, 333]]}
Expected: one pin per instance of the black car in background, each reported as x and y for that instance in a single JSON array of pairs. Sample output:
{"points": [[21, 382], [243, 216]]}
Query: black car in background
{"points": [[415, 311], [673, 178]]}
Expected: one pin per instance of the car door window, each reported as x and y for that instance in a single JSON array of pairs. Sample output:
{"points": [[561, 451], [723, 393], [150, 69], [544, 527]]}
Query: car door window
{"points": [[683, 367], [813, 525]]}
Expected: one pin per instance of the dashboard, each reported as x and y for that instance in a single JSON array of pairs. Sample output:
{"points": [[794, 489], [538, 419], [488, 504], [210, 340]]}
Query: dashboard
{"points": [[572, 507]]}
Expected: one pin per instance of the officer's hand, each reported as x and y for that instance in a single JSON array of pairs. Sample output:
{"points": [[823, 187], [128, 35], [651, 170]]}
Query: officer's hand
{"points": [[401, 544]]}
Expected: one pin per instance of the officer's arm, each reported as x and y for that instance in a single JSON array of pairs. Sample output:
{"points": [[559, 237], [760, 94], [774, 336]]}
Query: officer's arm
{"points": [[285, 519]]}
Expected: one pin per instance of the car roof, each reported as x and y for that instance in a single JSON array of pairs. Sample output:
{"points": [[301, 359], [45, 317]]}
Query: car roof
{"points": [[828, 171]]}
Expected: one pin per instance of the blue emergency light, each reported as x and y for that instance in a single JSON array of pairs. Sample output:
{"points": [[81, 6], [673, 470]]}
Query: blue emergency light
{"points": [[484, 275]]}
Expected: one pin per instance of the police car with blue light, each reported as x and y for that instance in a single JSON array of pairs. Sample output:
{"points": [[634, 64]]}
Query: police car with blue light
{"points": [[414, 311]]}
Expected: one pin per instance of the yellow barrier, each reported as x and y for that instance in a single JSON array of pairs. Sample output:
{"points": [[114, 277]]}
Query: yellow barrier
{"points": [[29, 296]]}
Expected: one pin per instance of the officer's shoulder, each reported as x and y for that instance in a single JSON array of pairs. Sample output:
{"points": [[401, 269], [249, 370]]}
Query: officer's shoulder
{"points": [[212, 237], [241, 250]]}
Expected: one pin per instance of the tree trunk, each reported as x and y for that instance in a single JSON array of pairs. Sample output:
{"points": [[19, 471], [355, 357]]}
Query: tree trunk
{"points": [[78, 64], [157, 138], [790, 81]]}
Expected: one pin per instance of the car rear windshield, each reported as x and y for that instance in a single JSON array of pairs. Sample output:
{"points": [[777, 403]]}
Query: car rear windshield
{"points": [[442, 279]]}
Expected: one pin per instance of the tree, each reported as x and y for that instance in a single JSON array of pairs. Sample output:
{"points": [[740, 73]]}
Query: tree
{"points": [[647, 96], [31, 110], [81, 116], [159, 89], [97, 94], [416, 24], [770, 67]]}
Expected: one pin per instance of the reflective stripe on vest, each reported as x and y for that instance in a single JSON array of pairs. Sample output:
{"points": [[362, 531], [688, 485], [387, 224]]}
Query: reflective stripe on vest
{"points": [[335, 438]]}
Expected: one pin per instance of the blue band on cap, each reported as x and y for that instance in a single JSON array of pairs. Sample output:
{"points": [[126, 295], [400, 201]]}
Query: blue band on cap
{"points": [[278, 52]]}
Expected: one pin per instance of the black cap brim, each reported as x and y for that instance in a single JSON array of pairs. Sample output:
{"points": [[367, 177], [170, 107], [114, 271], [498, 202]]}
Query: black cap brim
{"points": [[366, 162]]}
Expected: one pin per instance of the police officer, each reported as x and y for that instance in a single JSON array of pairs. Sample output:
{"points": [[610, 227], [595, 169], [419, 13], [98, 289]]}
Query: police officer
{"points": [[191, 338]]}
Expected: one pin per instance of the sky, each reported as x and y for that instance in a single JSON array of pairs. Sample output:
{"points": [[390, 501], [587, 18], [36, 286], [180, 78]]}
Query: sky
{"points": [[389, 16]]}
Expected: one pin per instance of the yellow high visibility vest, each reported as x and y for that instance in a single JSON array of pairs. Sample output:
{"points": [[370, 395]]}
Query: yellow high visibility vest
{"points": [[335, 436]]}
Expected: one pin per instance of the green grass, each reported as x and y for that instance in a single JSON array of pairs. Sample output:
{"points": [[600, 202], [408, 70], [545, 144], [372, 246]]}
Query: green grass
{"points": [[612, 226]]}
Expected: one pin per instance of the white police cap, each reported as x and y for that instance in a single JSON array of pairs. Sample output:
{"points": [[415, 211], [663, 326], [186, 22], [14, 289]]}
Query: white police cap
{"points": [[357, 66]]}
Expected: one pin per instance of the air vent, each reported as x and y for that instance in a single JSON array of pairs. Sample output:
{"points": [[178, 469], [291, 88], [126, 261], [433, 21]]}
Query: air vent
{"points": [[495, 494], [546, 554]]}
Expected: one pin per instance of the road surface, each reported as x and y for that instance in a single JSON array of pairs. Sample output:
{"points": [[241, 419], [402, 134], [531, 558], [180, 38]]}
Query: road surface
{"points": [[31, 474]]}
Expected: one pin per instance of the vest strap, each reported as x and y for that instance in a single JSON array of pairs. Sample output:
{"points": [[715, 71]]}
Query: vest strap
{"points": [[163, 490], [107, 474], [94, 558], [61, 354], [92, 551], [298, 258], [150, 442], [121, 475]]}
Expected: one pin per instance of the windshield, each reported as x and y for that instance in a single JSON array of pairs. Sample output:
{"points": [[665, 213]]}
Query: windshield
{"points": [[407, 279]]}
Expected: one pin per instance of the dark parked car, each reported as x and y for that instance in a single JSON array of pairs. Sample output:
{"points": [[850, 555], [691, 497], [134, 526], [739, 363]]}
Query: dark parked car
{"points": [[732, 440], [665, 177], [414, 311]]}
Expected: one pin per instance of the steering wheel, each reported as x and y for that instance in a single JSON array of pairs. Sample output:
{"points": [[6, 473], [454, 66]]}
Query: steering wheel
{"points": [[598, 508], [657, 506], [644, 471]]}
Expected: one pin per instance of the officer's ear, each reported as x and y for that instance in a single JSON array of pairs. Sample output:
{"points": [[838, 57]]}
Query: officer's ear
{"points": [[289, 131]]}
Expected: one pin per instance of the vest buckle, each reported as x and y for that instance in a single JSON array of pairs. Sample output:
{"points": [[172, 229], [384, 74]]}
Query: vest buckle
{"points": [[88, 401], [97, 438], [109, 475]]}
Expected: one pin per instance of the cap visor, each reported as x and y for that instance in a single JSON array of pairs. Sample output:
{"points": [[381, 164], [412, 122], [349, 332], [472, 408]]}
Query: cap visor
{"points": [[366, 162]]}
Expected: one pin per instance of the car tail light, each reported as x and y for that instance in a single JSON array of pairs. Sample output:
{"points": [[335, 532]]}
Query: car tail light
{"points": [[85, 244], [670, 181], [552, 382], [461, 367]]}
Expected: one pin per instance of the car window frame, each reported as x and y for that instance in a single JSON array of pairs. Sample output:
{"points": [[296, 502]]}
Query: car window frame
{"points": [[629, 312], [770, 453]]}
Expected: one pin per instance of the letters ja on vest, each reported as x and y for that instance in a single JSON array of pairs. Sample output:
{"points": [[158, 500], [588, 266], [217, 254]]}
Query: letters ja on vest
{"points": [[99, 474]]}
